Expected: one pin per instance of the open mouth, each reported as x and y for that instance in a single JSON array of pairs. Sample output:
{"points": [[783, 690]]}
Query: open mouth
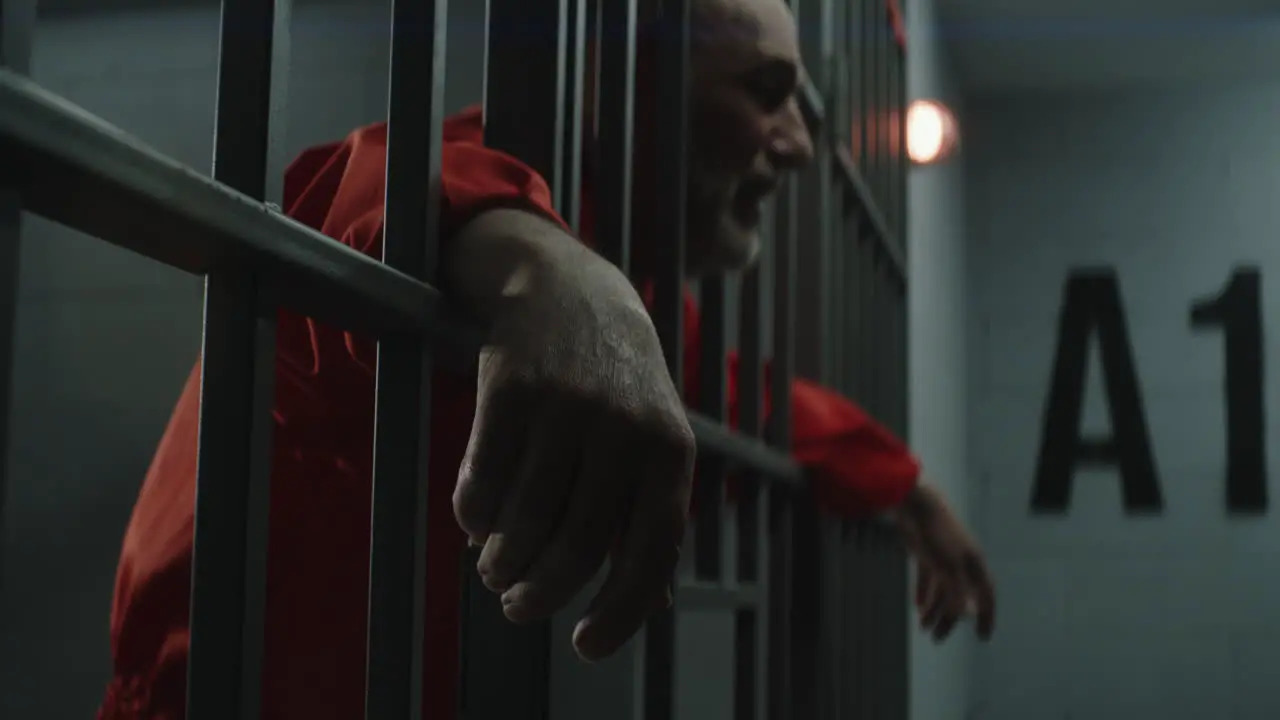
{"points": [[749, 197]]}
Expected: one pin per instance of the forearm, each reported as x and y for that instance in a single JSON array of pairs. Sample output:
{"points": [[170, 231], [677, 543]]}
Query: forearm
{"points": [[504, 255], [494, 258]]}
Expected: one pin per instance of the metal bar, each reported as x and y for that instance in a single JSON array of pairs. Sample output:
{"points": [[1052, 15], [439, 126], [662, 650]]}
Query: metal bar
{"points": [[83, 173], [879, 399], [668, 191], [742, 452], [854, 54], [751, 681], [781, 554], [17, 27], [17, 32], [701, 595], [901, 360], [892, 112], [708, 525], [525, 85], [228, 576], [886, 634], [746, 674], [868, 156], [670, 181], [575, 77], [830, 617], [864, 607], [398, 543], [807, 621], [884, 50], [525, 110], [616, 93], [834, 283], [784, 257], [865, 345], [782, 653], [858, 187]]}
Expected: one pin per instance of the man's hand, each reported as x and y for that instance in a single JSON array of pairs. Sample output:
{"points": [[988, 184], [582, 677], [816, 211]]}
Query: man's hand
{"points": [[580, 443], [952, 577]]}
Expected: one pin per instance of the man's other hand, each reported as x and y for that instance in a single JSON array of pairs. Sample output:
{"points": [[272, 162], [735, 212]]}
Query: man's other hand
{"points": [[952, 579], [580, 444]]}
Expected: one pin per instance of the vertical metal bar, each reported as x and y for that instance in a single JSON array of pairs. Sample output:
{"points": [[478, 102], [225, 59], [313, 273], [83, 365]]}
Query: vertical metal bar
{"points": [[832, 607], [228, 578], [17, 27], [884, 53], [570, 205], [886, 634], [708, 525], [835, 282], [902, 576], [808, 624], [525, 110], [830, 15], [782, 653], [893, 68], [17, 32], [872, 630], [398, 545], [901, 621], [670, 180], [668, 309], [870, 87], [781, 556], [745, 651], [751, 682], [524, 100], [616, 93], [864, 627]]}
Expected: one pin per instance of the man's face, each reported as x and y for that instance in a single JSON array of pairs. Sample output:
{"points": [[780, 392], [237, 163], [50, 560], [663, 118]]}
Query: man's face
{"points": [[745, 122]]}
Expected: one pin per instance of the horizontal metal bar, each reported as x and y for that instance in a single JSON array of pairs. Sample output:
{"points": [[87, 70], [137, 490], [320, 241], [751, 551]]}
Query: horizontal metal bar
{"points": [[77, 170], [712, 596], [884, 235], [742, 452]]}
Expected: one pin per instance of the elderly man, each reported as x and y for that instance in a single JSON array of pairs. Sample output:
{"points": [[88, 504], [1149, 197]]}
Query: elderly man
{"points": [[569, 443]]}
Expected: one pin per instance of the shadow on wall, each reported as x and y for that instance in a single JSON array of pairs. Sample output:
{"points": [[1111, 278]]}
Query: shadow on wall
{"points": [[105, 338]]}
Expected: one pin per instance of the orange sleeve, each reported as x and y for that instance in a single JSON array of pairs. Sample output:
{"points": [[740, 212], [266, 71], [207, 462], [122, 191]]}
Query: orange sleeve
{"points": [[473, 179], [858, 467]]}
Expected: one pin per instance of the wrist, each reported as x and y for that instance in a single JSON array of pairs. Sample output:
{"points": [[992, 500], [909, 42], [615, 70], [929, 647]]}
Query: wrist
{"points": [[501, 257], [919, 503]]}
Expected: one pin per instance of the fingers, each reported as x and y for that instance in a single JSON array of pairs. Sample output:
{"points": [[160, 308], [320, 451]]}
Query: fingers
{"points": [[493, 457], [534, 503], [984, 594], [963, 590], [639, 581], [604, 484], [925, 586]]}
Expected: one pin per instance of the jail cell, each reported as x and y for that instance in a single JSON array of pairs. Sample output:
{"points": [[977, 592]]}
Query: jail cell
{"points": [[830, 302]]}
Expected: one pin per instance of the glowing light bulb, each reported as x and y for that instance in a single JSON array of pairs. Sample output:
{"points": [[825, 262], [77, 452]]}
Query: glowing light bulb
{"points": [[931, 132]]}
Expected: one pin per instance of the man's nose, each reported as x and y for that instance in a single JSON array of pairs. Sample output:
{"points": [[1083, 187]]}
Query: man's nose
{"points": [[792, 146]]}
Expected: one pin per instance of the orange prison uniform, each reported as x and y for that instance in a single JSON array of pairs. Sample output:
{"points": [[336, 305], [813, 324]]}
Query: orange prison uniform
{"points": [[318, 560]]}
